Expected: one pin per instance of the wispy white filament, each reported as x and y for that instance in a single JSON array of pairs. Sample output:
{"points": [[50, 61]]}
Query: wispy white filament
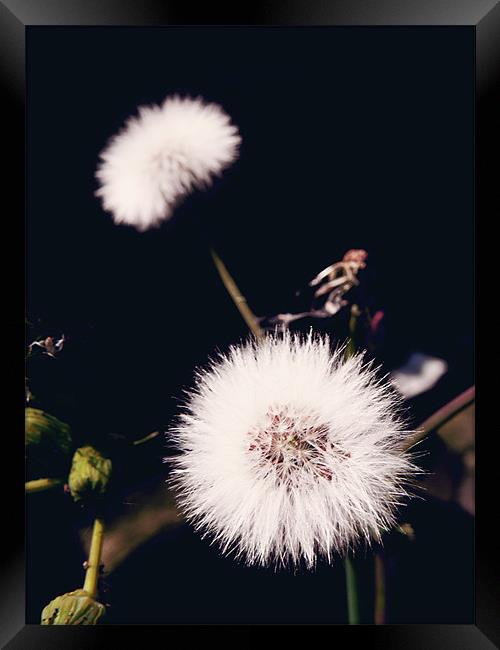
{"points": [[161, 155], [288, 451]]}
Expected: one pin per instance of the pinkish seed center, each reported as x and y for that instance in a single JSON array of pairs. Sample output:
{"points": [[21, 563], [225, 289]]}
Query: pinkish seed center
{"points": [[291, 444]]}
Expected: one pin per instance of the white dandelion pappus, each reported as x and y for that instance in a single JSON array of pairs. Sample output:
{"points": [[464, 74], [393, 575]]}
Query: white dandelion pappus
{"points": [[161, 155], [290, 452]]}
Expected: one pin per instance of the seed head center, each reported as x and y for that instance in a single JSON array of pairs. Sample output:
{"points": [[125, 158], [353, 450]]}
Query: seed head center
{"points": [[292, 443]]}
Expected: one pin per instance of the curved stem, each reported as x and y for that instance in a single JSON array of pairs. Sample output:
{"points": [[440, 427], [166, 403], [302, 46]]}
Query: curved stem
{"points": [[236, 296], [41, 484], [352, 592], [94, 561]]}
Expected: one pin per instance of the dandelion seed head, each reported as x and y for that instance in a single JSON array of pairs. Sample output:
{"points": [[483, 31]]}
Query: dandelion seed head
{"points": [[162, 154], [288, 452]]}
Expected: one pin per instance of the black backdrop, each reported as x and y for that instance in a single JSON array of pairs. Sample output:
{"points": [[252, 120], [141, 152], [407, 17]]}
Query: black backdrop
{"points": [[351, 138]]}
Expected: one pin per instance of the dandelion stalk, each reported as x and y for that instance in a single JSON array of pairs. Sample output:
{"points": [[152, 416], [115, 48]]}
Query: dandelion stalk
{"points": [[352, 592], [41, 484], [94, 561], [236, 296], [353, 322], [80, 607], [350, 574]]}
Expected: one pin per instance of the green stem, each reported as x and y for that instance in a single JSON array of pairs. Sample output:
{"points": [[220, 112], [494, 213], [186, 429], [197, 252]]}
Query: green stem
{"points": [[350, 575], [94, 561], [236, 296], [41, 484], [352, 592], [353, 322]]}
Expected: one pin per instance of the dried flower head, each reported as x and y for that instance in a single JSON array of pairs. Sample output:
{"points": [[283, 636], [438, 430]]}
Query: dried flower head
{"points": [[161, 155], [290, 451], [48, 346], [330, 287], [74, 608]]}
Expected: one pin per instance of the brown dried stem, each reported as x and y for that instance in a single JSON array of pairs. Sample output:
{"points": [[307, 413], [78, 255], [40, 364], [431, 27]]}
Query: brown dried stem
{"points": [[443, 415]]}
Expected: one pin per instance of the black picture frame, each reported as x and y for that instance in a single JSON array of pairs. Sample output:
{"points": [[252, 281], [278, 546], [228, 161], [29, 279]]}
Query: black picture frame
{"points": [[483, 16]]}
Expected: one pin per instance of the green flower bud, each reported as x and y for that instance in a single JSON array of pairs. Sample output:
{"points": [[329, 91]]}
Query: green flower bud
{"points": [[90, 473], [48, 444], [74, 608]]}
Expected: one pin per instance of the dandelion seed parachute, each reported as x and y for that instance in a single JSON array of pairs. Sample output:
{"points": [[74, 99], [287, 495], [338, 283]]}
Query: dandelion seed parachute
{"points": [[288, 451], [161, 155]]}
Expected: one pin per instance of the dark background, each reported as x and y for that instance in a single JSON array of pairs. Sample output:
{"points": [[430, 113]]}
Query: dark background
{"points": [[351, 138]]}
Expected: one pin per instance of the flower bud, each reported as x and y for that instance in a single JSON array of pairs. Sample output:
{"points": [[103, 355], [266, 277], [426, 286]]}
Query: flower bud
{"points": [[48, 443], [74, 608], [90, 473]]}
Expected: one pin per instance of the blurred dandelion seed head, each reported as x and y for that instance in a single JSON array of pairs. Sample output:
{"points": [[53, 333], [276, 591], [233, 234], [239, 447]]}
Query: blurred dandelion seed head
{"points": [[289, 452], [161, 155]]}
